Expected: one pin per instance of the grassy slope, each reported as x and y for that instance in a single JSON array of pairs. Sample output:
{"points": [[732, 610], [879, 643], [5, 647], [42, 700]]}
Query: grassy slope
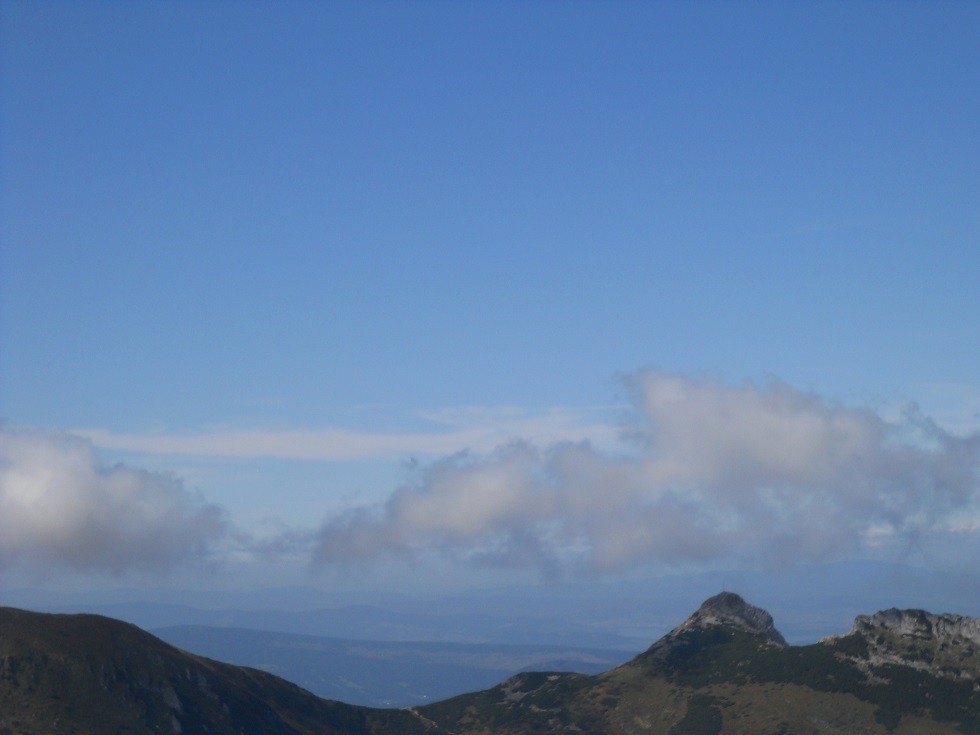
{"points": [[720, 682], [92, 675]]}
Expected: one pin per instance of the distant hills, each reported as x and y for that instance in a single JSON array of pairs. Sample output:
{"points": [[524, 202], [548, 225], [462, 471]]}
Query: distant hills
{"points": [[623, 614], [499, 620], [724, 670], [383, 673]]}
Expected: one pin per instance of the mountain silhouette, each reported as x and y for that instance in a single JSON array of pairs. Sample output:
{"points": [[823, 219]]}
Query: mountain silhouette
{"points": [[724, 670]]}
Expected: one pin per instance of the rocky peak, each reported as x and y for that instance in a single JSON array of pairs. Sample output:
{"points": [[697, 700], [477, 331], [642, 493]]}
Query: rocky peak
{"points": [[726, 610], [731, 610]]}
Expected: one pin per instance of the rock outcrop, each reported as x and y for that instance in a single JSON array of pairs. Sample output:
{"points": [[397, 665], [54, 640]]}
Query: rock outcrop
{"points": [[729, 609], [944, 645], [918, 624]]}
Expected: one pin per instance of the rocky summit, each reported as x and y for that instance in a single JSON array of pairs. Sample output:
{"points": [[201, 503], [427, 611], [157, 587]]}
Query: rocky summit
{"points": [[725, 670], [731, 610], [726, 611]]}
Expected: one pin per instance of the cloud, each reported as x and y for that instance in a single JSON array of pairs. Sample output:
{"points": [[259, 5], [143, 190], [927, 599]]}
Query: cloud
{"points": [[475, 428], [59, 504], [326, 444], [759, 473]]}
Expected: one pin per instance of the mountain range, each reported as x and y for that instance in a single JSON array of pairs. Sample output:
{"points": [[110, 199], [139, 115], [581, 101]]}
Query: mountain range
{"points": [[724, 670]]}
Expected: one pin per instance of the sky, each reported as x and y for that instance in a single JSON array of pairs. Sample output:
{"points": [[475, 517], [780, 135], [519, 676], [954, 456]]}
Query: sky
{"points": [[442, 295]]}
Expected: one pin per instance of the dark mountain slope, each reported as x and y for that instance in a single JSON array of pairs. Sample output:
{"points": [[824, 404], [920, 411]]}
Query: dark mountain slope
{"points": [[89, 675], [726, 670]]}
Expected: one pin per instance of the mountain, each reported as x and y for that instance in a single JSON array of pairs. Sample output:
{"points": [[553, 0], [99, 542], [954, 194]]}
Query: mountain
{"points": [[725, 670], [91, 675], [945, 644], [382, 673], [470, 619]]}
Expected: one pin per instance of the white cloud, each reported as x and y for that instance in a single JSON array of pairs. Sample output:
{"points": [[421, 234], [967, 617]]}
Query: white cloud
{"points": [[749, 472], [476, 429], [59, 504]]}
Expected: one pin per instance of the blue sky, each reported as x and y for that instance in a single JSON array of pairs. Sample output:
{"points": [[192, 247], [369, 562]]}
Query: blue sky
{"points": [[268, 268]]}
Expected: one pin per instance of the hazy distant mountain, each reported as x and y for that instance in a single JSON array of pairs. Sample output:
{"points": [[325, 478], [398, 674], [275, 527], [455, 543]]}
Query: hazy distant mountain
{"points": [[477, 621], [624, 614], [383, 673], [724, 670]]}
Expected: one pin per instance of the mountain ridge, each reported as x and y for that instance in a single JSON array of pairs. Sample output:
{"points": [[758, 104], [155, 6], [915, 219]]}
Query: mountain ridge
{"points": [[944, 644], [723, 671]]}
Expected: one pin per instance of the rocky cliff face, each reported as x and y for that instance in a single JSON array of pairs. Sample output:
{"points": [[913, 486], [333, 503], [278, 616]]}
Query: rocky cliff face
{"points": [[945, 645], [919, 624]]}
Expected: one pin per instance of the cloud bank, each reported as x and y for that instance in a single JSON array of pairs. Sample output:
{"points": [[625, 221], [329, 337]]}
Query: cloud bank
{"points": [[713, 472], [59, 505]]}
